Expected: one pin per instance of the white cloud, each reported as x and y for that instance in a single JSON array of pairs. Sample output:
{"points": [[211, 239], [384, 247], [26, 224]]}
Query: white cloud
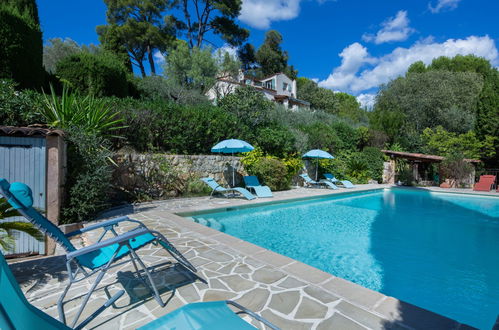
{"points": [[359, 71], [158, 57], [393, 29], [260, 13], [443, 5], [366, 100]]}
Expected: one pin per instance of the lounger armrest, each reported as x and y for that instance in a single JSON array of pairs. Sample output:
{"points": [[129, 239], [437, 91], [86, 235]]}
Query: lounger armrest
{"points": [[110, 222], [118, 239]]}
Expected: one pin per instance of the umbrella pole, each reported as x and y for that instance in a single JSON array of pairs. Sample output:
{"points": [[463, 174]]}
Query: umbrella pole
{"points": [[233, 173], [317, 170]]}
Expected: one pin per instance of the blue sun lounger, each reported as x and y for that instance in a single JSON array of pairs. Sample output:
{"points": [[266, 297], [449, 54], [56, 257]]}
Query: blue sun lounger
{"points": [[322, 183], [226, 191], [97, 258], [254, 185], [330, 177], [17, 313]]}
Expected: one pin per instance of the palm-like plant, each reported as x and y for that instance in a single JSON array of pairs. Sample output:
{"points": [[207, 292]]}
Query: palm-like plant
{"points": [[86, 112], [6, 228]]}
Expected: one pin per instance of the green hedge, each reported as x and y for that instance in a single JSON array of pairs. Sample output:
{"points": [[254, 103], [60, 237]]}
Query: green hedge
{"points": [[101, 74], [21, 45]]}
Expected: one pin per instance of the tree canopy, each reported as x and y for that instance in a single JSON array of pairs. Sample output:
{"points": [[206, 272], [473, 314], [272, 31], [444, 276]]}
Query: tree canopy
{"points": [[139, 28], [211, 16]]}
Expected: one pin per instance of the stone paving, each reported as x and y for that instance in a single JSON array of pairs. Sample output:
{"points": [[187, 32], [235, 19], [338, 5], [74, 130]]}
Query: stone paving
{"points": [[288, 293]]}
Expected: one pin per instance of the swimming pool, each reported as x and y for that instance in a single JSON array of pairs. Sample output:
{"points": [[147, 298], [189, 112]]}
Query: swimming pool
{"points": [[439, 251]]}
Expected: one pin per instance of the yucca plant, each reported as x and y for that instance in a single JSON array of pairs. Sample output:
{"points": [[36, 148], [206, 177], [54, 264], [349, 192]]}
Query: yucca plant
{"points": [[88, 113], [7, 241]]}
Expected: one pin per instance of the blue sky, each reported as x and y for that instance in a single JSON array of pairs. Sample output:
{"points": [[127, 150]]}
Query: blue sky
{"points": [[346, 45]]}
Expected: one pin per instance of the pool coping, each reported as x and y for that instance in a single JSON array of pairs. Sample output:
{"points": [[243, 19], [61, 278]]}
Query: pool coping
{"points": [[386, 307]]}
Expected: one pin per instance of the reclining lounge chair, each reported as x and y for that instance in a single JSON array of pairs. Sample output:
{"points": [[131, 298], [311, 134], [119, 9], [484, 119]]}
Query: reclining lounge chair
{"points": [[319, 184], [254, 185], [97, 258], [485, 183], [331, 178], [227, 192], [17, 313]]}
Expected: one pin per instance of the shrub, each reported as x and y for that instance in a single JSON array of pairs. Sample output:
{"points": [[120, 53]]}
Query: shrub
{"points": [[249, 106], [167, 126], [88, 175], [18, 108], [195, 187], [404, 173], [21, 44], [88, 113], [374, 159], [101, 74], [455, 168], [275, 140], [271, 172], [357, 168], [322, 136], [157, 87]]}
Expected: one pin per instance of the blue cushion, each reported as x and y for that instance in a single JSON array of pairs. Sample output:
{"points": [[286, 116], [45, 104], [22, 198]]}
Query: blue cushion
{"points": [[102, 256], [22, 194]]}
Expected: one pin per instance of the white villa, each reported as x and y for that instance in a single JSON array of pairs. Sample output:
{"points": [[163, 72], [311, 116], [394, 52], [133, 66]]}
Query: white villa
{"points": [[278, 88]]}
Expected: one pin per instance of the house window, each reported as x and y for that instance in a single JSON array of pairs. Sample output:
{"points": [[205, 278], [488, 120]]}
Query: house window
{"points": [[270, 84], [285, 86]]}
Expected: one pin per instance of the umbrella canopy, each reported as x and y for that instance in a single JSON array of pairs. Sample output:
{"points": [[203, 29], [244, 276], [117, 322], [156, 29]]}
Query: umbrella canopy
{"points": [[232, 146], [317, 153]]}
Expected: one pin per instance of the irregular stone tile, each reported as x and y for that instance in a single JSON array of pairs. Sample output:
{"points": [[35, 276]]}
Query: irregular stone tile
{"points": [[267, 275], [228, 268], [291, 282], [236, 283], [320, 294], [255, 299], [285, 302], [285, 324], [310, 309], [353, 292], [242, 269], [214, 295], [216, 284], [189, 293], [197, 261], [212, 266], [338, 321]]}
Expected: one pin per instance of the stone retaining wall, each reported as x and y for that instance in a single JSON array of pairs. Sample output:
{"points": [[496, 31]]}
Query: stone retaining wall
{"points": [[162, 175]]}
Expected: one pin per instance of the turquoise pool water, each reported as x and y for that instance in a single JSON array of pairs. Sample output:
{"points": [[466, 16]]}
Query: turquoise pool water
{"points": [[437, 251]]}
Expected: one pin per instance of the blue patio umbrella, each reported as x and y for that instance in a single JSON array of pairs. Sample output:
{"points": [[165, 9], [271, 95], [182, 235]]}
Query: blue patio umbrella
{"points": [[318, 154], [232, 146]]}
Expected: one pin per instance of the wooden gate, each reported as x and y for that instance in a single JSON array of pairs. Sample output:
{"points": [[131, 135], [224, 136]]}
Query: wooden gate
{"points": [[24, 159]]}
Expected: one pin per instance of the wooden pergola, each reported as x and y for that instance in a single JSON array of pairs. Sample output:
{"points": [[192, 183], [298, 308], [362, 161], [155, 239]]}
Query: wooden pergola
{"points": [[420, 163]]}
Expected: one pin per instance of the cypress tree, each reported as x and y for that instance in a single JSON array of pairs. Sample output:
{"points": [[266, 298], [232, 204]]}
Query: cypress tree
{"points": [[21, 45]]}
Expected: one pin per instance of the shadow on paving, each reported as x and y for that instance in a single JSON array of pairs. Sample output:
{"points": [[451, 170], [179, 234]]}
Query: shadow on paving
{"points": [[167, 277], [452, 270], [39, 272]]}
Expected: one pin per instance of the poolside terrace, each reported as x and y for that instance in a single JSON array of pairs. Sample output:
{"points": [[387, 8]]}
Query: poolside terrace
{"points": [[287, 292]]}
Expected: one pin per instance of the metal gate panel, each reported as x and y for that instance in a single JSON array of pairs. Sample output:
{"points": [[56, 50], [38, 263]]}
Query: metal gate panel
{"points": [[23, 159]]}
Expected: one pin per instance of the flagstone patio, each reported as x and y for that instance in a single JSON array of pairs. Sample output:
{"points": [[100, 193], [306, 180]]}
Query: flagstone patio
{"points": [[288, 293]]}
